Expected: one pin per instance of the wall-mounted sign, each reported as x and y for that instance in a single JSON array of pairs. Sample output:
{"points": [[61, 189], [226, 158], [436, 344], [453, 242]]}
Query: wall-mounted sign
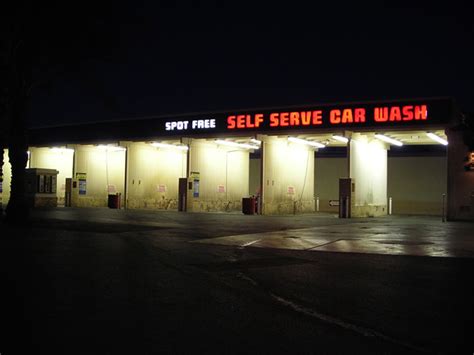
{"points": [[190, 124], [82, 182], [194, 176], [412, 113], [407, 113]]}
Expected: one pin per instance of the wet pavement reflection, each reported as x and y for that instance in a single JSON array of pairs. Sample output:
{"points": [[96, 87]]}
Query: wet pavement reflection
{"points": [[404, 238]]}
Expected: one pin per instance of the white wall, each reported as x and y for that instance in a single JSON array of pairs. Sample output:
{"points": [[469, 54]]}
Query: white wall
{"points": [[368, 167], [153, 175], [105, 171], [223, 176], [288, 177], [58, 159]]}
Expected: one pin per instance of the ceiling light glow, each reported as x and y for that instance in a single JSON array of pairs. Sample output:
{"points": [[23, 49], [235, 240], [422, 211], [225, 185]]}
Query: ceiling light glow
{"points": [[388, 140], [304, 141], [237, 145], [169, 146], [437, 138], [61, 150], [340, 138], [111, 148]]}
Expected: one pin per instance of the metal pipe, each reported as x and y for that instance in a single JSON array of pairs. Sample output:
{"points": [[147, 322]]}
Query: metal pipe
{"points": [[389, 205]]}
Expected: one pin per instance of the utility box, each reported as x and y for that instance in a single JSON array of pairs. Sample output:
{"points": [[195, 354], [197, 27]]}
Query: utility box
{"points": [[346, 197], [113, 200], [248, 205], [41, 185]]}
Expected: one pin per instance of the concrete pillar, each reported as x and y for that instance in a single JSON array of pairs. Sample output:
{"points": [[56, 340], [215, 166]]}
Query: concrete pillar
{"points": [[98, 172], [460, 198], [153, 175], [221, 174], [287, 177], [7, 178], [60, 159], [368, 168]]}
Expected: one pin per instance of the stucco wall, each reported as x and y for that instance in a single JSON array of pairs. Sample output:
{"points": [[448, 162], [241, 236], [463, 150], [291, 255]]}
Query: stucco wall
{"points": [[416, 184], [153, 176], [368, 167], [223, 176], [254, 175], [105, 169], [327, 173], [288, 177]]}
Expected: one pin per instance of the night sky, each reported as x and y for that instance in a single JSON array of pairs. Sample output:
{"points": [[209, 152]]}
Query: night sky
{"points": [[167, 59]]}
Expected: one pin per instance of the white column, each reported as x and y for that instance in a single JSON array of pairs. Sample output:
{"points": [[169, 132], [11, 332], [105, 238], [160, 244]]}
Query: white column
{"points": [[368, 168]]}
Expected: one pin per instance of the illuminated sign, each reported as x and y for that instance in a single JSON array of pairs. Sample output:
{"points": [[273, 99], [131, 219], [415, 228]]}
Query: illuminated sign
{"points": [[418, 114], [350, 116], [185, 125], [335, 117]]}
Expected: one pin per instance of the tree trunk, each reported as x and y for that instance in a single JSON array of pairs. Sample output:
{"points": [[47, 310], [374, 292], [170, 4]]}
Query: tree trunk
{"points": [[17, 211]]}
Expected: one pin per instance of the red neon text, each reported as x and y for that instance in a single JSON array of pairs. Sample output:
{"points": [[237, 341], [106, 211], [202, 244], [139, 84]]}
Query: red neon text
{"points": [[244, 121], [305, 118], [400, 113], [347, 115]]}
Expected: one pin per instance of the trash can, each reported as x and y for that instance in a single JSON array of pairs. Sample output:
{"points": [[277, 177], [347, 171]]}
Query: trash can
{"points": [[248, 205], [114, 200]]}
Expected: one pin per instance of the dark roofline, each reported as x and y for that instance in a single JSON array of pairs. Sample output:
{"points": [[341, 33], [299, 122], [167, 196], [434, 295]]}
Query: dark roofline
{"points": [[250, 109]]}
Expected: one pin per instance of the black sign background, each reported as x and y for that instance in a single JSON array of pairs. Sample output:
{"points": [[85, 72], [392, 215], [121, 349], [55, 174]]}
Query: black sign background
{"points": [[441, 111]]}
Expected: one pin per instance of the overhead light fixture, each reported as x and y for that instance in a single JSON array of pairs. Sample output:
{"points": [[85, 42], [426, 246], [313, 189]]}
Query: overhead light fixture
{"points": [[340, 138], [255, 141], [304, 141], [388, 140], [437, 138], [61, 150], [111, 148], [237, 145], [169, 146]]}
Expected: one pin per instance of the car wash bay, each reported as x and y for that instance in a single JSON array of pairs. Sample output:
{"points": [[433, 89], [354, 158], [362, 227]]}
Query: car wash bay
{"points": [[221, 160]]}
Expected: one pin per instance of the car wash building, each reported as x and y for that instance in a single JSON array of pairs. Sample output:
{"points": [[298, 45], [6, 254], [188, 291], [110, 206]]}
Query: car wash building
{"points": [[356, 159]]}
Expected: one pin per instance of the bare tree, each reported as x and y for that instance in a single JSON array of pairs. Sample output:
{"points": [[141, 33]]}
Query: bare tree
{"points": [[38, 45]]}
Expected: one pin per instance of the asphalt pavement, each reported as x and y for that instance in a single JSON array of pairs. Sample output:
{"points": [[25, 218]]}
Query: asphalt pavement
{"points": [[104, 281]]}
